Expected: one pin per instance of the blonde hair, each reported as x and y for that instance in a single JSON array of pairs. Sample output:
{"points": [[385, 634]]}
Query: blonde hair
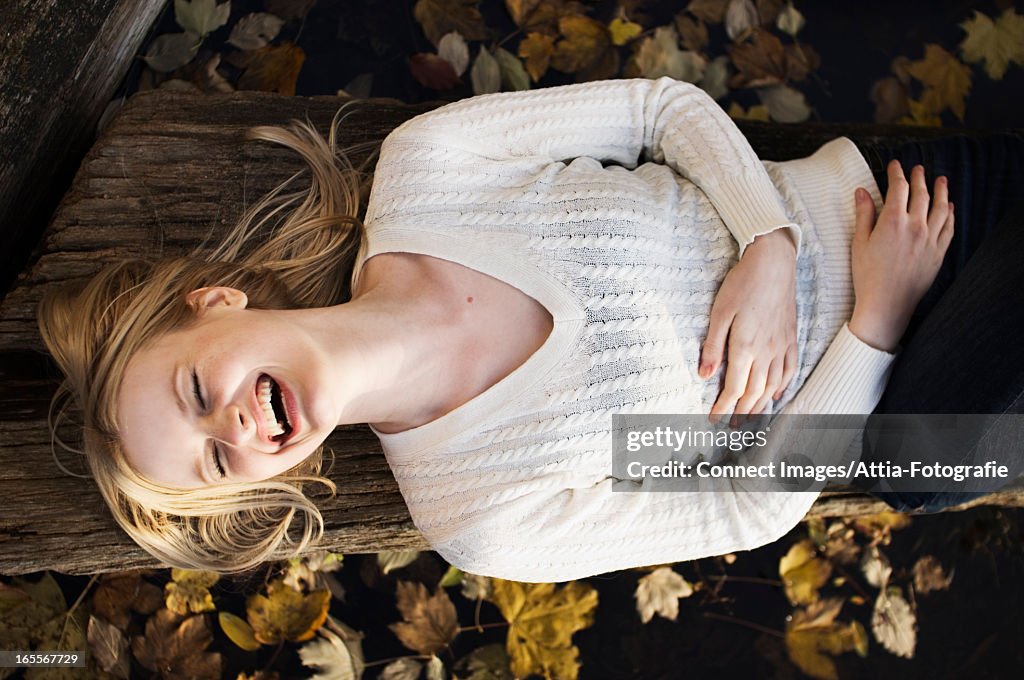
{"points": [[298, 249]]}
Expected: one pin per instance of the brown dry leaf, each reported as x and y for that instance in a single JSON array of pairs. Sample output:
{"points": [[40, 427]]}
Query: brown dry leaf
{"points": [[996, 43], [439, 17], [659, 593], [286, 614], [119, 593], [879, 526], [759, 59], [803, 572], [429, 621], [929, 575], [946, 80], [274, 68], [768, 11], [891, 100], [542, 620], [605, 68], [894, 623], [537, 49], [541, 16], [176, 647], [583, 44], [289, 9], [709, 11], [659, 55], [800, 61], [692, 32], [109, 647], [840, 544], [432, 71]]}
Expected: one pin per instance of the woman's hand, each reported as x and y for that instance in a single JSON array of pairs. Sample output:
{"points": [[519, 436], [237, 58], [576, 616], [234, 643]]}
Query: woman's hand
{"points": [[756, 309], [895, 259]]}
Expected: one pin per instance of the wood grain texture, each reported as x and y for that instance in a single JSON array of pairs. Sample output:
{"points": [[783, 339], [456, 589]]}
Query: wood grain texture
{"points": [[171, 170], [60, 63]]}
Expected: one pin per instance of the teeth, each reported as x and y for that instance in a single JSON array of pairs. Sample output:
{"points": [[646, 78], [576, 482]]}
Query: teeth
{"points": [[263, 392]]}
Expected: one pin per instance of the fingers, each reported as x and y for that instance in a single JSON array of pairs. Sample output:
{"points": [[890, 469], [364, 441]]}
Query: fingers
{"points": [[735, 385], [714, 345], [866, 217], [946, 233], [771, 386], [756, 384], [940, 206], [918, 195], [899, 189]]}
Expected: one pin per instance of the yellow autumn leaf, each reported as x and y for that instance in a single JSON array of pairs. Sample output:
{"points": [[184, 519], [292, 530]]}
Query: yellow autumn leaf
{"points": [[274, 68], [813, 637], [584, 42], [286, 614], [997, 43], [803, 572], [188, 591], [946, 80], [756, 112], [542, 620], [622, 30], [537, 49], [238, 631]]}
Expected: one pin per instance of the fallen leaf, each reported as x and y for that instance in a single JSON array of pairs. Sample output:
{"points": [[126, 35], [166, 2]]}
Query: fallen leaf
{"points": [[274, 68], [813, 637], [389, 560], [819, 613], [622, 30], [894, 624], [708, 11], [840, 546], [485, 74], [432, 71], [489, 662], [800, 61], [513, 75], [452, 577], [434, 669], [584, 42], [255, 30], [659, 593], [171, 51], [306, 573], [659, 55], [920, 115], [790, 20], [454, 50], [109, 647], [785, 104], [542, 621], [201, 17], [286, 614], [119, 593], [339, 653], [429, 621], [740, 17], [238, 631], [692, 32], [440, 17], [289, 9], [541, 16], [768, 11], [946, 80], [537, 49], [714, 83], [997, 43], [803, 573], [176, 648], [759, 59], [405, 668], [875, 567], [757, 112], [188, 591], [929, 575], [476, 587]]}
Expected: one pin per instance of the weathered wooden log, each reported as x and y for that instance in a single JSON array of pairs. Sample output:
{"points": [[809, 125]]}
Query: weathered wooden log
{"points": [[171, 170], [60, 63]]}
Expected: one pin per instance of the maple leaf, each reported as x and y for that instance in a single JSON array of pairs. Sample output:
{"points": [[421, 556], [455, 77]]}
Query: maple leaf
{"points": [[339, 653], [803, 572], [659, 593], [189, 591], [894, 623], [440, 17], [583, 43], [997, 43], [429, 621], [946, 80], [432, 71], [176, 647], [286, 614], [274, 68], [542, 621], [537, 49], [929, 576]]}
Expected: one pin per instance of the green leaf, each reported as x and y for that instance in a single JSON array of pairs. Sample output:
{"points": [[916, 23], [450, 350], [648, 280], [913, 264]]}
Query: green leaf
{"points": [[201, 17], [513, 75], [452, 577], [486, 73]]}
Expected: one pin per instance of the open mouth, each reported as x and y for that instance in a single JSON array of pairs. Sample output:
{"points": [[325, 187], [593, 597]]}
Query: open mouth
{"points": [[272, 410]]}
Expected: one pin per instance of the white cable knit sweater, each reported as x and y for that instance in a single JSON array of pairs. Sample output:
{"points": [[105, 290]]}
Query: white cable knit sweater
{"points": [[551, 191]]}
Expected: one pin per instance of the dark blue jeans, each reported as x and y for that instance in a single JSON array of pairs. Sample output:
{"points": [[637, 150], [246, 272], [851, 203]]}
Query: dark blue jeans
{"points": [[964, 349]]}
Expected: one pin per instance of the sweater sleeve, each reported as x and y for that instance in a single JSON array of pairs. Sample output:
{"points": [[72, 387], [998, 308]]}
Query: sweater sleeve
{"points": [[618, 121], [581, 521]]}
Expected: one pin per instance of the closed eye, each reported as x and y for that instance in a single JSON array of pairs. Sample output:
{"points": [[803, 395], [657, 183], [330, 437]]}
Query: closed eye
{"points": [[202, 403], [195, 390]]}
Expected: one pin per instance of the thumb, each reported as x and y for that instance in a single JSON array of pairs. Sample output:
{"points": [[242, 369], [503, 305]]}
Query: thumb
{"points": [[865, 215]]}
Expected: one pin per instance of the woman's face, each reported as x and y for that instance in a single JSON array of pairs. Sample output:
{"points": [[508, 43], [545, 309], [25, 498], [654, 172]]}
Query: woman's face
{"points": [[240, 389]]}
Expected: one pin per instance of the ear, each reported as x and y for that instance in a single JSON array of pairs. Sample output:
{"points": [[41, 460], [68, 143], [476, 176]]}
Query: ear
{"points": [[203, 299]]}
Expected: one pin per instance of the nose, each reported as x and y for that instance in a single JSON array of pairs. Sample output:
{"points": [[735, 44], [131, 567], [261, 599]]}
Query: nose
{"points": [[232, 425]]}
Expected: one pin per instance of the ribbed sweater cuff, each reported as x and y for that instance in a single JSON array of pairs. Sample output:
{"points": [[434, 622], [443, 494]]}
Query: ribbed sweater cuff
{"points": [[850, 377], [750, 206]]}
